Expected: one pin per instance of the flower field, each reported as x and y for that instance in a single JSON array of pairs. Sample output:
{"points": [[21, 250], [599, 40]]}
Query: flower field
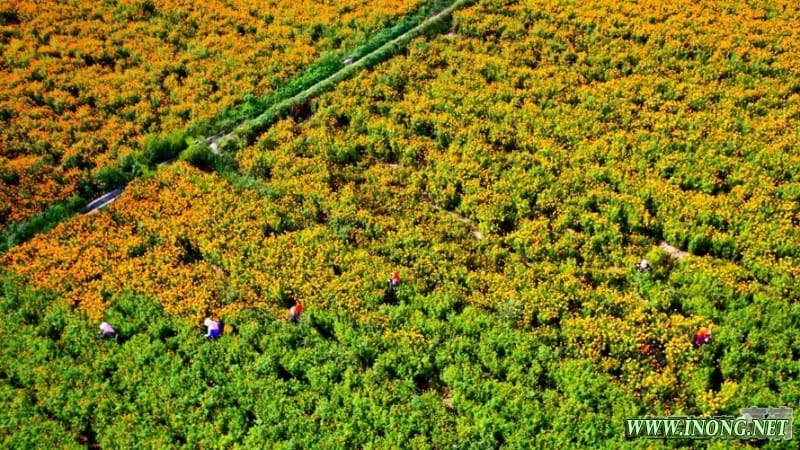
{"points": [[514, 170], [84, 83]]}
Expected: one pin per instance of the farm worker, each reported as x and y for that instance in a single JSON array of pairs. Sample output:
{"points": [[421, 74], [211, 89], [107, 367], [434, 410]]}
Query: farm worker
{"points": [[702, 337], [106, 330], [644, 266], [390, 296], [214, 330], [394, 280], [294, 312]]}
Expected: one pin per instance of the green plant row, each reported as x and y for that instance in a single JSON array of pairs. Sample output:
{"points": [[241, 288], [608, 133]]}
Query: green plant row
{"points": [[328, 65], [200, 153], [245, 132]]}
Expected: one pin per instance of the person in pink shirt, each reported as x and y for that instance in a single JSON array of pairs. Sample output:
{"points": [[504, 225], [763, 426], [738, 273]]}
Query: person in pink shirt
{"points": [[214, 329], [106, 330]]}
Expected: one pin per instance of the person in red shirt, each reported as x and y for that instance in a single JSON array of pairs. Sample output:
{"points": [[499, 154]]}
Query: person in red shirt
{"points": [[702, 337], [294, 312], [394, 280], [390, 295]]}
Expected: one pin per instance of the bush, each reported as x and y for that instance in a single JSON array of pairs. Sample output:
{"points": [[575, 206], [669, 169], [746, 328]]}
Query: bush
{"points": [[700, 244], [200, 155], [158, 149], [262, 168], [110, 177], [342, 154]]}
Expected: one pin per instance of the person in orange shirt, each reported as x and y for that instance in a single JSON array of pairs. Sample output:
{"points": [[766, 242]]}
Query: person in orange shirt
{"points": [[702, 337], [294, 312]]}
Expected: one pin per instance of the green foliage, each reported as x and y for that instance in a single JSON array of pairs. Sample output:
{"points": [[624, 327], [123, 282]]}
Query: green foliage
{"points": [[110, 177], [158, 149], [161, 382]]}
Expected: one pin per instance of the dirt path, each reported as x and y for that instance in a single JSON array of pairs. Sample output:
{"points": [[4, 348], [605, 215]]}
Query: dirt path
{"points": [[674, 252], [460, 218], [427, 199]]}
